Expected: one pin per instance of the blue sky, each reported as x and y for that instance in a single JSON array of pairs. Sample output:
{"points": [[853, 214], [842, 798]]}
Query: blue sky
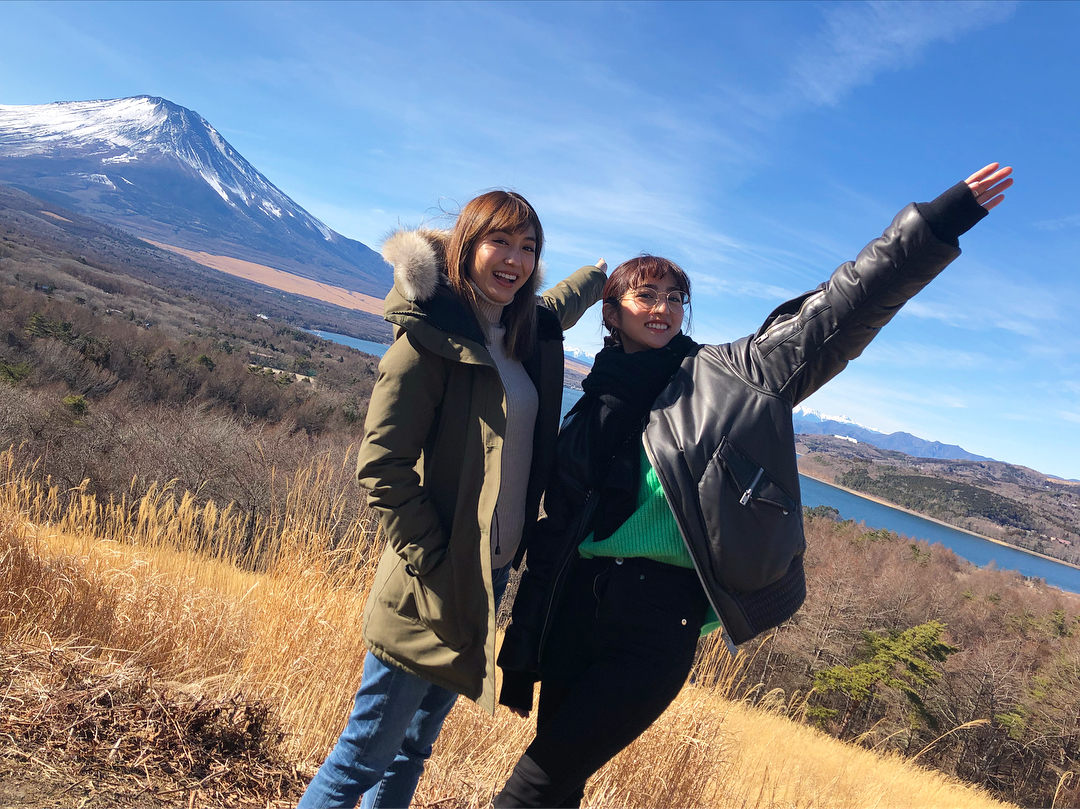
{"points": [[758, 144]]}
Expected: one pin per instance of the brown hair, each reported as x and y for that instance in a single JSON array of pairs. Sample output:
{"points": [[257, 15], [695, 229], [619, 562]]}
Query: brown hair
{"points": [[634, 273], [511, 213]]}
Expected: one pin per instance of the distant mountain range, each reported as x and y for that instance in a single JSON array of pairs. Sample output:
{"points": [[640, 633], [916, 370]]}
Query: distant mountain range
{"points": [[162, 172], [811, 422]]}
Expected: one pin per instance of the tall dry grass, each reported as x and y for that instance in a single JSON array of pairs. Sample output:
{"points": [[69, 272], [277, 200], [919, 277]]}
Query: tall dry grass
{"points": [[272, 609], [206, 596]]}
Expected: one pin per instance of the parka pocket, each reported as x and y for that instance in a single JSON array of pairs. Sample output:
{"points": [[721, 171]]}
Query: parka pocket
{"points": [[753, 523], [430, 600]]}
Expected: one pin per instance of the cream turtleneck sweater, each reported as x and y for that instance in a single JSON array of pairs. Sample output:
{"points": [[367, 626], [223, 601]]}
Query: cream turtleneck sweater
{"points": [[521, 406]]}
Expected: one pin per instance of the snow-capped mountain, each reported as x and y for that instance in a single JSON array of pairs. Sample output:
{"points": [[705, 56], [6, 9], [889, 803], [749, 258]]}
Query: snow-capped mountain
{"points": [[162, 171], [806, 414], [579, 354], [812, 422]]}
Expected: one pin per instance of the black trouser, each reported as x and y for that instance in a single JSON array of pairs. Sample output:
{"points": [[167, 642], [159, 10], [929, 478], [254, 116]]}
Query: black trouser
{"points": [[619, 652]]}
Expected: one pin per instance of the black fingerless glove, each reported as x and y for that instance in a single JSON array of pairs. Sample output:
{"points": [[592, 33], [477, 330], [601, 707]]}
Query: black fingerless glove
{"points": [[953, 213]]}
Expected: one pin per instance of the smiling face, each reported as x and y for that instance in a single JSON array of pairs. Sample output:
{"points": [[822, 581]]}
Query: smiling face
{"points": [[641, 324], [502, 262]]}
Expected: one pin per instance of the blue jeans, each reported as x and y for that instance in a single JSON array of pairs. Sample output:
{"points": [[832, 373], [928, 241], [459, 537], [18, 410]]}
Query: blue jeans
{"points": [[395, 720]]}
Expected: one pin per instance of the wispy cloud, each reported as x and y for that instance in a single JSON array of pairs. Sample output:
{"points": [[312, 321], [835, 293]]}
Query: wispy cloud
{"points": [[906, 354], [1059, 224], [860, 41], [119, 61], [966, 316], [980, 298]]}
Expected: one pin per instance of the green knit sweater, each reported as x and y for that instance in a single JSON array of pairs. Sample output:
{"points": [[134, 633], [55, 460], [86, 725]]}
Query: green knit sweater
{"points": [[650, 532]]}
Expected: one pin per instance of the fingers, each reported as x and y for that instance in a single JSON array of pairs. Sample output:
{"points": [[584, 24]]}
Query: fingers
{"points": [[601, 265], [994, 191], [982, 173], [988, 183]]}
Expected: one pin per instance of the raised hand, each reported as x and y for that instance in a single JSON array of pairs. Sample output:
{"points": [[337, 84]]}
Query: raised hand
{"points": [[988, 183]]}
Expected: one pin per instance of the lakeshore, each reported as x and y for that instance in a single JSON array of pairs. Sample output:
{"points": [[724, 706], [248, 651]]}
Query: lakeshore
{"points": [[942, 523]]}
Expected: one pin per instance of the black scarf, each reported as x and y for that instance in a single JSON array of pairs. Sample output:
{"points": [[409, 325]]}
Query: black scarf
{"points": [[619, 393]]}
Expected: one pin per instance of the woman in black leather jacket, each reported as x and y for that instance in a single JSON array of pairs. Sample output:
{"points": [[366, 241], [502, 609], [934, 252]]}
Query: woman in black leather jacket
{"points": [[674, 506]]}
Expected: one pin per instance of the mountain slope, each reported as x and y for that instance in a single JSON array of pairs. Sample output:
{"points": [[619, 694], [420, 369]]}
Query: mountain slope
{"points": [[161, 171], [811, 422]]}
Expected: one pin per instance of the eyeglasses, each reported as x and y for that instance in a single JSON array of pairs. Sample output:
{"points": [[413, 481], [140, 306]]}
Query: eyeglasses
{"points": [[648, 298]]}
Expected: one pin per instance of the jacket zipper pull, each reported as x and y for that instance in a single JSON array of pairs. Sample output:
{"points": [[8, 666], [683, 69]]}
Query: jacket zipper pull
{"points": [[747, 494]]}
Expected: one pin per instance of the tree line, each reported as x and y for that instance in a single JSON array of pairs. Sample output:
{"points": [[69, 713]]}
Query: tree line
{"points": [[904, 646], [112, 384]]}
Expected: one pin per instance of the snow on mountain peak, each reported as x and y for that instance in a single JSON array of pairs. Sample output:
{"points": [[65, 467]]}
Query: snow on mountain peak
{"points": [[128, 130], [579, 353], [807, 414], [48, 128]]}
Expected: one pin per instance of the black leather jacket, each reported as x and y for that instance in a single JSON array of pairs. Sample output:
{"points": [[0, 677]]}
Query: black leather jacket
{"points": [[721, 440]]}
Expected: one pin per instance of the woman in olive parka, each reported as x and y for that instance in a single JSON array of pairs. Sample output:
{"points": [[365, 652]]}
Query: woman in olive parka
{"points": [[459, 441]]}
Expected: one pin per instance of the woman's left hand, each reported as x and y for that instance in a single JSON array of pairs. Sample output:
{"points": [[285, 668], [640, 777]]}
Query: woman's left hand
{"points": [[988, 183]]}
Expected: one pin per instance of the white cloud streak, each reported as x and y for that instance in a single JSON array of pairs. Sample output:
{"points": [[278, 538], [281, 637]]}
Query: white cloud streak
{"points": [[861, 40], [1059, 224]]}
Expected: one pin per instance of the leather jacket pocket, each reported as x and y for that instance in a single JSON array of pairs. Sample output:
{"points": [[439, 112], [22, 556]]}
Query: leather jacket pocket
{"points": [[754, 524], [751, 480]]}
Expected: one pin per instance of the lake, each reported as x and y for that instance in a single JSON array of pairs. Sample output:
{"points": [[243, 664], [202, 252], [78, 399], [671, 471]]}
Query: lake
{"points": [[368, 347], [975, 549]]}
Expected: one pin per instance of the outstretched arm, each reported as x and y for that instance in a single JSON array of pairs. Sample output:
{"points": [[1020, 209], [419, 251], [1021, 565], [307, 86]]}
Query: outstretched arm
{"points": [[808, 340], [571, 297]]}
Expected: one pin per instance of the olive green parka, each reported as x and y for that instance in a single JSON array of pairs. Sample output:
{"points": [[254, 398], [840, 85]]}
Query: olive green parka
{"points": [[431, 460]]}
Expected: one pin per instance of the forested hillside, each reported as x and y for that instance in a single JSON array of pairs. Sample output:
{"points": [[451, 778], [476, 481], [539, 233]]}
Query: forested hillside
{"points": [[1002, 501], [122, 366], [901, 645]]}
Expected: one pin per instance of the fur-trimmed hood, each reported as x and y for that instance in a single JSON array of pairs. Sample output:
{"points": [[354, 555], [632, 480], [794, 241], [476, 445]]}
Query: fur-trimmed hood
{"points": [[419, 261]]}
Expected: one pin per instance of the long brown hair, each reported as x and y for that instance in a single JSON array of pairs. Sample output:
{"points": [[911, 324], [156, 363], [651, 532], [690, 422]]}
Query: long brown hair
{"points": [[634, 273], [511, 213]]}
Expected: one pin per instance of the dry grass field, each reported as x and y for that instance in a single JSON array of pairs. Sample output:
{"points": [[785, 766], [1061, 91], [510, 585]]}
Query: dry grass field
{"points": [[279, 279], [159, 654]]}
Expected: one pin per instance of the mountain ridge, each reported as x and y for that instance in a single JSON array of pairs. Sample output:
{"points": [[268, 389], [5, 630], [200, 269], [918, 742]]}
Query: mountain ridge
{"points": [[161, 171], [811, 422], [1007, 502]]}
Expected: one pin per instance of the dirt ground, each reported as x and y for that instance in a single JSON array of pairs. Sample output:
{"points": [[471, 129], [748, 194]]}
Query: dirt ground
{"points": [[30, 783], [78, 731]]}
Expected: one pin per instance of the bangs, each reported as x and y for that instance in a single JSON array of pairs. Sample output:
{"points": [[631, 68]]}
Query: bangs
{"points": [[513, 215], [640, 270]]}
